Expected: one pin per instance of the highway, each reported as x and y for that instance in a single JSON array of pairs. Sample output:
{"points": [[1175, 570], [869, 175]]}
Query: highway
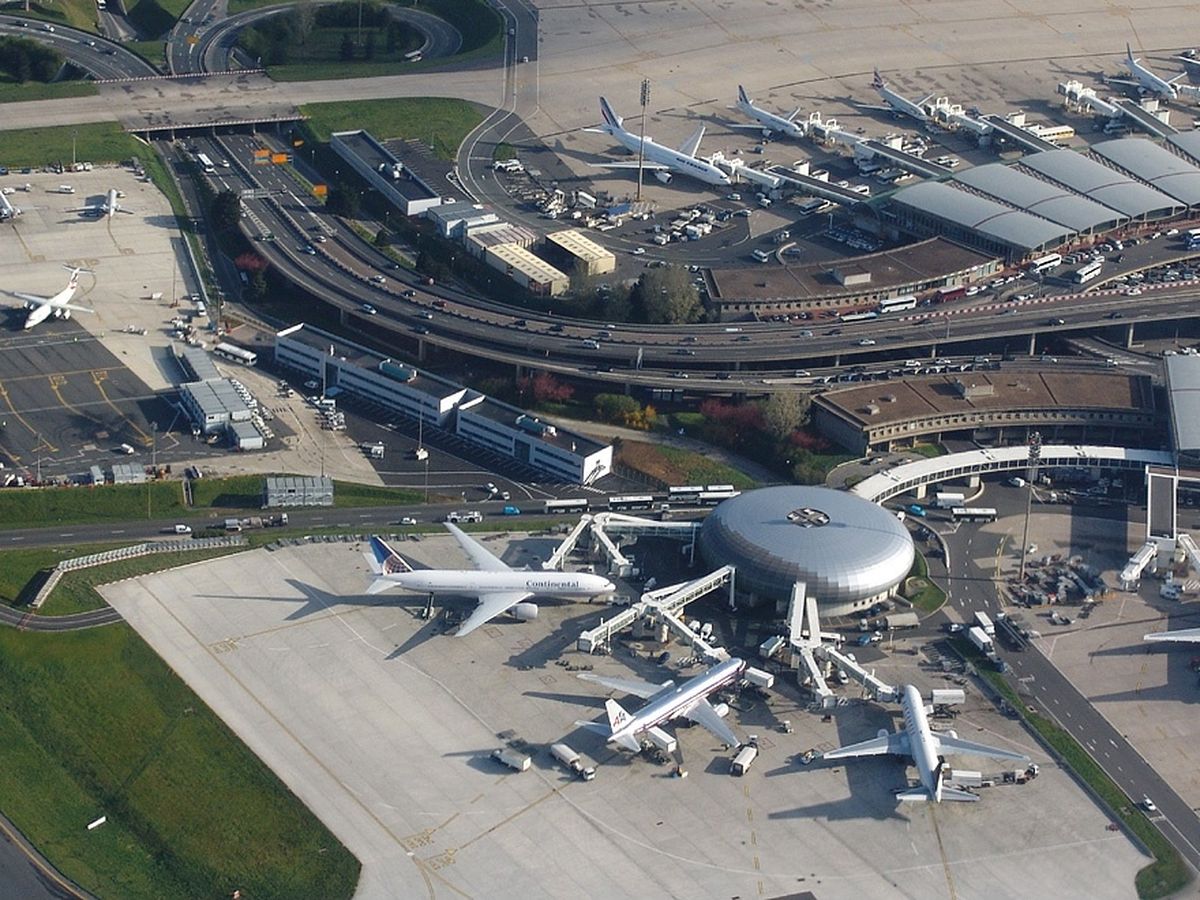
{"points": [[101, 58]]}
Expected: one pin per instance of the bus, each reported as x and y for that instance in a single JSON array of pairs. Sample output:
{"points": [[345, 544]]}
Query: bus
{"points": [[973, 514], [719, 487], [1045, 263], [712, 498], [206, 164], [685, 493], [576, 504], [631, 501], [946, 294], [1086, 273], [897, 304], [858, 317], [237, 354]]}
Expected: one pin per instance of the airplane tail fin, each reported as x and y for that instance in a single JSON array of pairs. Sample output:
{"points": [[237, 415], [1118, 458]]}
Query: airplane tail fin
{"points": [[610, 118], [383, 560], [877, 81], [692, 144], [617, 716], [742, 97], [1129, 53], [795, 113]]}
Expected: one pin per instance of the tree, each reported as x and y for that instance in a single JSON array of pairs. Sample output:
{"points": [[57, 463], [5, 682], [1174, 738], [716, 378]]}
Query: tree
{"points": [[548, 389], [250, 262], [666, 296], [393, 37], [347, 50], [616, 407], [369, 49], [784, 412], [256, 289], [226, 211], [304, 16], [382, 237]]}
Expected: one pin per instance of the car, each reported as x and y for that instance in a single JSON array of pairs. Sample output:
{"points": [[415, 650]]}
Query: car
{"points": [[1056, 321], [520, 323], [310, 249], [804, 333], [438, 304], [679, 375], [954, 627], [556, 328], [1148, 805], [405, 520], [1133, 292], [312, 384], [638, 251], [320, 239], [801, 373], [426, 315], [421, 329], [379, 279], [491, 488], [369, 309], [1115, 315], [685, 351], [690, 339], [866, 342], [410, 293], [723, 376], [744, 338]]}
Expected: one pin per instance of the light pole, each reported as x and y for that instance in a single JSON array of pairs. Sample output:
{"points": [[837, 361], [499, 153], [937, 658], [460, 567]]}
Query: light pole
{"points": [[1035, 454], [642, 139], [74, 134]]}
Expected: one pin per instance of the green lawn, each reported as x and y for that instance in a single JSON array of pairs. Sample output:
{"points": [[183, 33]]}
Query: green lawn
{"points": [[98, 142], [928, 597], [696, 468], [76, 13], [349, 494], [17, 567], [1168, 873], [81, 505], [14, 92], [96, 724], [439, 123], [929, 451]]}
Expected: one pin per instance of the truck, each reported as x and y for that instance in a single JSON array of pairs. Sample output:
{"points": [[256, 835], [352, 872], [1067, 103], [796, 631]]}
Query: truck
{"points": [[473, 515], [984, 621], [744, 759], [514, 759], [948, 500], [980, 639], [891, 622], [241, 524], [572, 760], [373, 449]]}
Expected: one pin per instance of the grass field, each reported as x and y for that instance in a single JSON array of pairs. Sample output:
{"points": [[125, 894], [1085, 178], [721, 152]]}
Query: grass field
{"points": [[74, 506], [441, 124], [673, 465], [14, 92], [98, 142], [1168, 873], [926, 597], [17, 567], [96, 724]]}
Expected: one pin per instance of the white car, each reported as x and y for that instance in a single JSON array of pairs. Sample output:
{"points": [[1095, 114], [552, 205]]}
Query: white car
{"points": [[638, 251], [379, 279], [866, 342], [1148, 805]]}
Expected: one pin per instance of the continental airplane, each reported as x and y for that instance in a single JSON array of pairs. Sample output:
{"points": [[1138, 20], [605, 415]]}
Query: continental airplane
{"points": [[499, 587], [768, 122], [657, 158], [897, 103], [108, 207], [59, 306], [667, 701], [925, 747], [1145, 80]]}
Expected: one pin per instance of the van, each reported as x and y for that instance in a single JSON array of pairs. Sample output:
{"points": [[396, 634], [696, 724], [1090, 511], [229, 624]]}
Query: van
{"points": [[510, 510], [590, 344], [183, 529], [744, 759]]}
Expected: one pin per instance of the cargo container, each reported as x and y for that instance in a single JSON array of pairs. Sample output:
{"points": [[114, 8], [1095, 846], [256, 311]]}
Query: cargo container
{"points": [[743, 761], [514, 759], [980, 639], [984, 621], [572, 760]]}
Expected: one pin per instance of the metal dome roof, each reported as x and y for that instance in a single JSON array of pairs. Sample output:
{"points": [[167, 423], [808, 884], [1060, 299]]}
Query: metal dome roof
{"points": [[843, 547]]}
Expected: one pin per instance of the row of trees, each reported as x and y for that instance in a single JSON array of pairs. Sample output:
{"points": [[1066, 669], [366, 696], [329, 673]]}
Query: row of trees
{"points": [[26, 60]]}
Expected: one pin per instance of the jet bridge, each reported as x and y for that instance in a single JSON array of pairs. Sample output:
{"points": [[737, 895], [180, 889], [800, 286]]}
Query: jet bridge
{"points": [[1147, 119], [901, 160], [1022, 137], [817, 188], [665, 605], [1137, 564], [1081, 98], [601, 526]]}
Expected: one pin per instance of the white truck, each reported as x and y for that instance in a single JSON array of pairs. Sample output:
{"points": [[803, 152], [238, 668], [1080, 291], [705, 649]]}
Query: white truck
{"points": [[514, 759], [949, 500], [473, 515], [984, 621], [980, 639], [572, 760], [744, 759]]}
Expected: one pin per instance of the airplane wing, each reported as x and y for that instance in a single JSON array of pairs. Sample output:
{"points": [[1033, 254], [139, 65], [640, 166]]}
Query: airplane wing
{"points": [[71, 306], [878, 107], [650, 166], [482, 557], [894, 744], [692, 144], [32, 298], [920, 795], [704, 714], [947, 744], [490, 606], [635, 686], [1182, 636]]}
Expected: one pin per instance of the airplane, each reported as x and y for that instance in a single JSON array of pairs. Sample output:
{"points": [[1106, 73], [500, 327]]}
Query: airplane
{"points": [[59, 306], [768, 122], [499, 587], [1145, 80], [7, 210], [925, 747], [896, 103], [108, 207], [661, 160], [1182, 636], [666, 701]]}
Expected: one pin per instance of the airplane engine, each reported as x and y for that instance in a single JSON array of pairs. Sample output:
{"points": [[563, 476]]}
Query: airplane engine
{"points": [[31, 305], [664, 177], [882, 733], [525, 612], [66, 313]]}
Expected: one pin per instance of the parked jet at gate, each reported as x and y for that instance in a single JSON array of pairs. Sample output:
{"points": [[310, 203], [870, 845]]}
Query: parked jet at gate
{"points": [[659, 159], [925, 747], [59, 306], [1182, 636], [1147, 81], [110, 205], [667, 701], [896, 103], [499, 587], [768, 122]]}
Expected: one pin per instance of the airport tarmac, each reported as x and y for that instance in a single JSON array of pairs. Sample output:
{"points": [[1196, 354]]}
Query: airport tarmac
{"points": [[383, 727]]}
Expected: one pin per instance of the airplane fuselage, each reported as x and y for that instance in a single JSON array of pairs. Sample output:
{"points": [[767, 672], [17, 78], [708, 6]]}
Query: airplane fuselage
{"points": [[679, 702], [472, 581], [902, 105], [677, 162], [920, 738], [770, 121], [51, 306]]}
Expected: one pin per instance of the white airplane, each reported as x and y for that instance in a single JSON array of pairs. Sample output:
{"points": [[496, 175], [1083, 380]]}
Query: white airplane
{"points": [[661, 160], [499, 587], [59, 306], [1147, 81], [667, 701], [925, 747], [1182, 636], [7, 210], [108, 207], [896, 103], [768, 122]]}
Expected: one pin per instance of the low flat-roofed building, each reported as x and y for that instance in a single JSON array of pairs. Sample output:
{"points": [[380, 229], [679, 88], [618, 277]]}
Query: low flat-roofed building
{"points": [[399, 185], [1103, 184], [453, 220], [197, 364], [912, 269], [480, 238], [993, 407], [572, 247], [514, 432], [297, 490], [529, 271], [244, 436], [128, 473], [441, 404], [212, 405]]}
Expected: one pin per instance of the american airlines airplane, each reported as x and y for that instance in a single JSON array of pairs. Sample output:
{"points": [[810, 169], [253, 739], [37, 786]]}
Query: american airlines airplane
{"points": [[897, 103], [108, 207], [661, 160], [1146, 80], [925, 747], [59, 306], [499, 587], [667, 701], [768, 122]]}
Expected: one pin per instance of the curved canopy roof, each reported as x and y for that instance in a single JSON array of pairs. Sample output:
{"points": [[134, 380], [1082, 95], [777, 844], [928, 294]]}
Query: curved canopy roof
{"points": [[1040, 197], [1003, 223], [1155, 164], [1104, 185]]}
